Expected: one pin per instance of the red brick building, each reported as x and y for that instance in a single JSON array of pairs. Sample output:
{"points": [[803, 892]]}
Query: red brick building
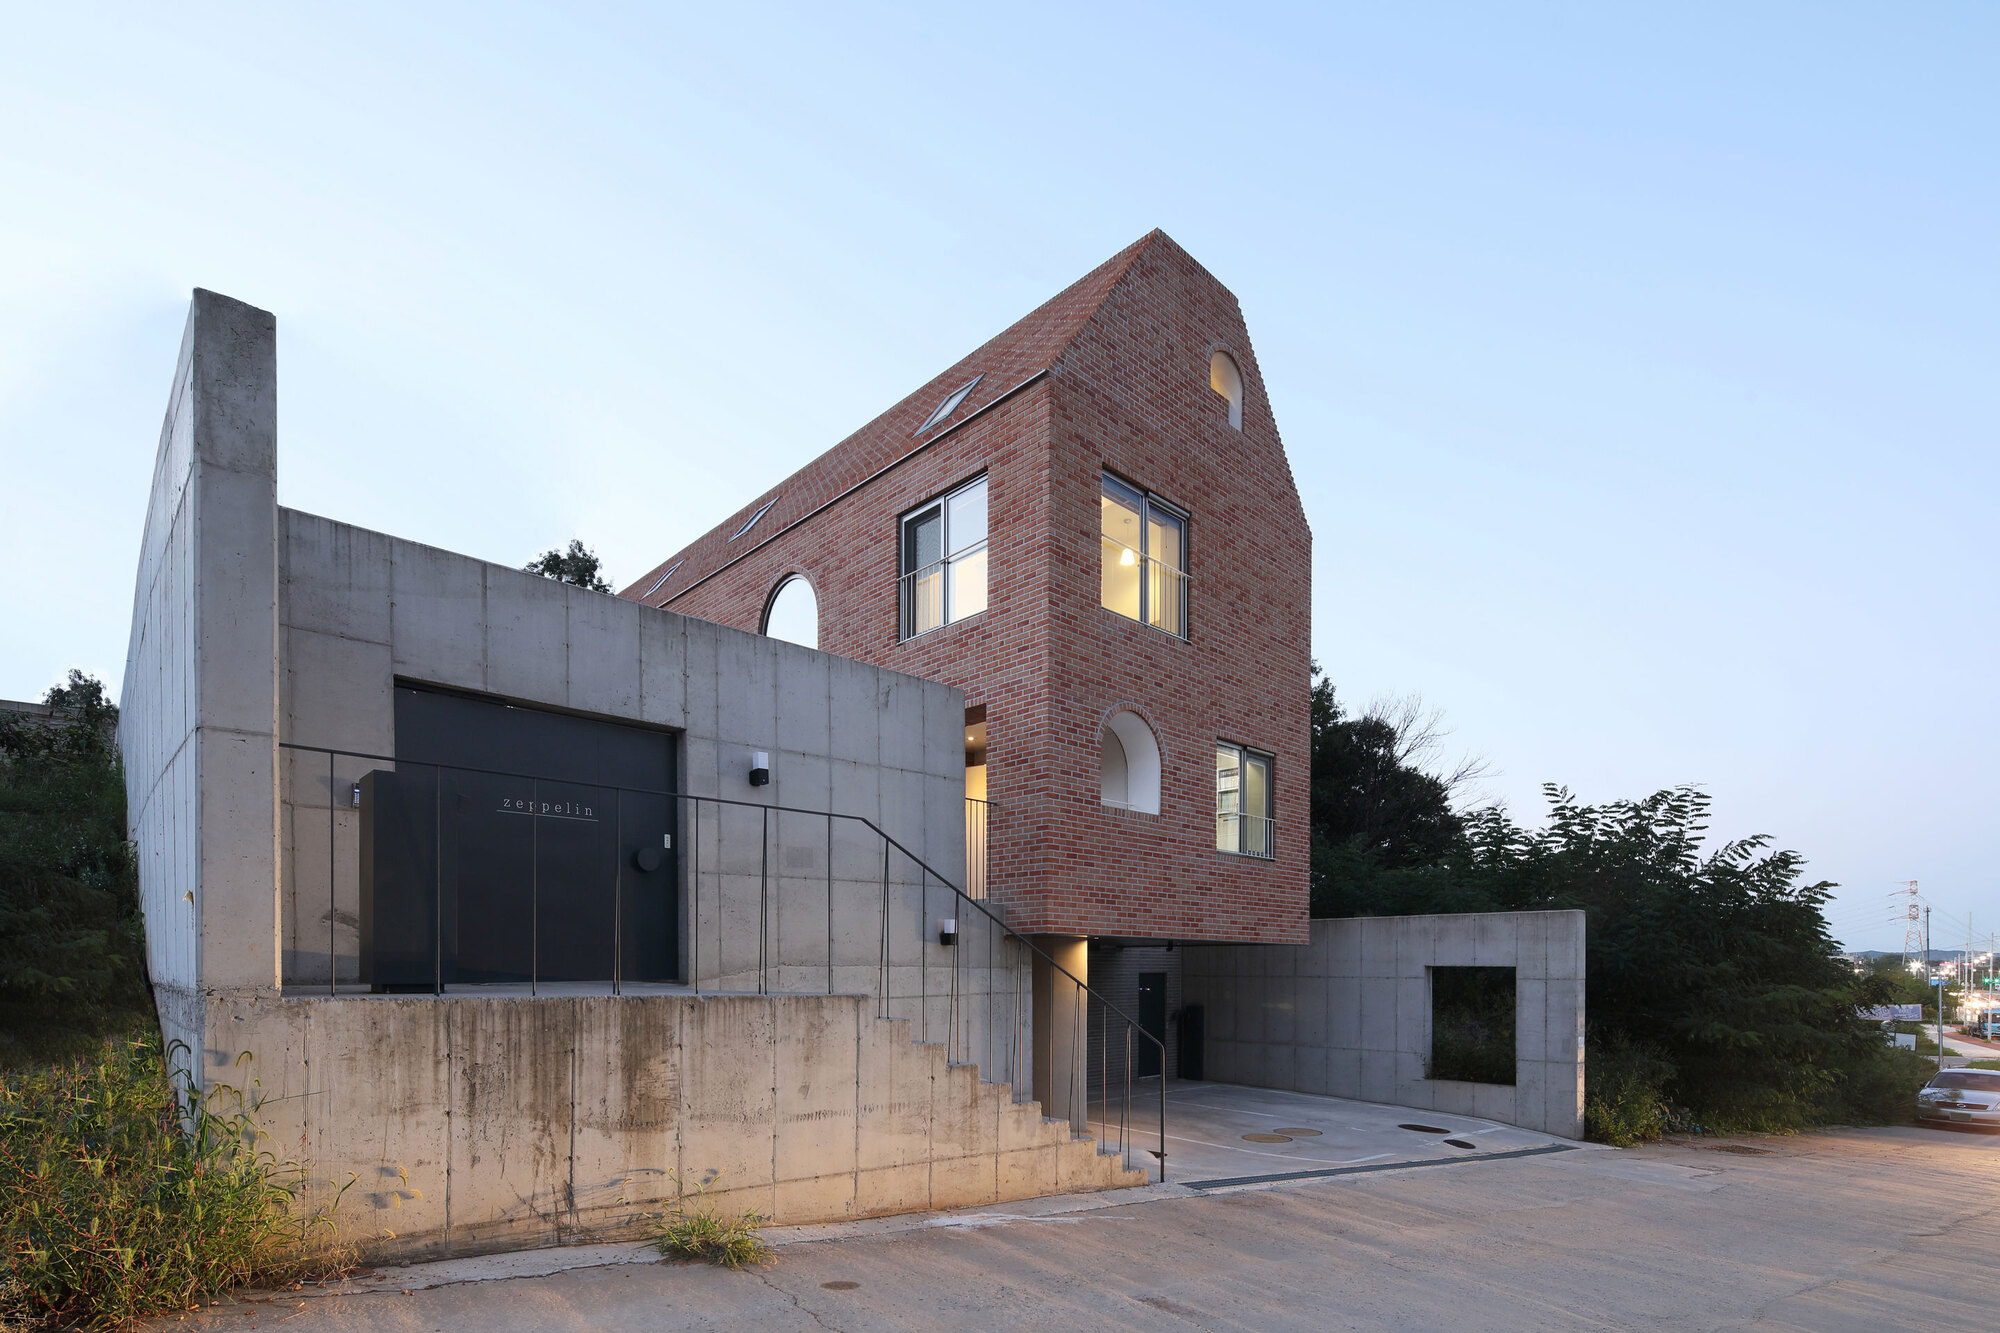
{"points": [[1088, 525]]}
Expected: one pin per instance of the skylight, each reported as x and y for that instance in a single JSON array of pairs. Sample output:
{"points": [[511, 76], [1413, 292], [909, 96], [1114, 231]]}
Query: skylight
{"points": [[762, 510], [662, 579], [950, 404]]}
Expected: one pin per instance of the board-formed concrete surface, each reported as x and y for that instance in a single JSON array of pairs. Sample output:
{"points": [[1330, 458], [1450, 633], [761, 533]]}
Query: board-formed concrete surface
{"points": [[1854, 1229], [1348, 1014]]}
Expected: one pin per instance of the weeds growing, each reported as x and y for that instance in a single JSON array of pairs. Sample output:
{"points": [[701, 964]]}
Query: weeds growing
{"points": [[121, 1196], [693, 1229]]}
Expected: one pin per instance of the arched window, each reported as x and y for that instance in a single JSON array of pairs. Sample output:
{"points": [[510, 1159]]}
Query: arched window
{"points": [[1225, 379], [1128, 763], [793, 612]]}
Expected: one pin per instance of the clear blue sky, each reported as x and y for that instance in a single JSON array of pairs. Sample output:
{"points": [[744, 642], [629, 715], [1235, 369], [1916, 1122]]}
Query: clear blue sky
{"points": [[1639, 368]]}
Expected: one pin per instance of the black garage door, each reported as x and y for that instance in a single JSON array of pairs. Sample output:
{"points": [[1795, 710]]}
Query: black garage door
{"points": [[470, 874]]}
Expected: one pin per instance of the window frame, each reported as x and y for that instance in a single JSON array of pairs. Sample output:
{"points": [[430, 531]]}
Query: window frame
{"points": [[1149, 501], [906, 602], [1244, 842]]}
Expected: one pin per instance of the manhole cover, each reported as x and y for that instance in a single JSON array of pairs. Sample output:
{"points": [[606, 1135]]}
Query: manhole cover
{"points": [[839, 1286], [1426, 1129], [1741, 1149], [1461, 1143], [1267, 1138], [1299, 1133]]}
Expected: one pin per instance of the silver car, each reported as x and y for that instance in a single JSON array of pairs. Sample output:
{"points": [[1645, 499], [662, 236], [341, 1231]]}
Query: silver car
{"points": [[1961, 1097]]}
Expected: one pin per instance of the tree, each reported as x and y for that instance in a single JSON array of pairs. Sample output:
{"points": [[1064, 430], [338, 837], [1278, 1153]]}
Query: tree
{"points": [[1376, 807], [1713, 985], [71, 941], [578, 565]]}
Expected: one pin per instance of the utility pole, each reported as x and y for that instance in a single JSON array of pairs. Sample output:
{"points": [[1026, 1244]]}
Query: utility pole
{"points": [[1908, 890], [1938, 983]]}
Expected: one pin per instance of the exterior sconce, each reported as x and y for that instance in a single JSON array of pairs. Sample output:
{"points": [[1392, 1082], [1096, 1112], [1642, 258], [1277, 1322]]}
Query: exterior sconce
{"points": [[947, 930], [760, 768]]}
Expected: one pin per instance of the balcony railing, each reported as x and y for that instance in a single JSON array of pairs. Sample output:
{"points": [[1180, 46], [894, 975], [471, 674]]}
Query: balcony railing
{"points": [[943, 591], [1143, 588], [1246, 835], [977, 815]]}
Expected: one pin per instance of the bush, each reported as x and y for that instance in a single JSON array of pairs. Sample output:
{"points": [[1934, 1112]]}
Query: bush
{"points": [[1880, 1088], [1625, 1093], [693, 1230], [71, 952], [120, 1198]]}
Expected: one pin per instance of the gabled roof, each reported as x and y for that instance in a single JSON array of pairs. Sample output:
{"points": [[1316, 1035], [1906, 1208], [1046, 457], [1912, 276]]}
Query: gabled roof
{"points": [[1032, 345]]}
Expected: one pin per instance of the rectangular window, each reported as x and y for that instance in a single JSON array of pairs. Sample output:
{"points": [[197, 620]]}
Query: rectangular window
{"points": [[1143, 557], [944, 560], [1243, 802]]}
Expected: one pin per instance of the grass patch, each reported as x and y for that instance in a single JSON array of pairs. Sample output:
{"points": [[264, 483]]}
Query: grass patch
{"points": [[122, 1196], [694, 1229]]}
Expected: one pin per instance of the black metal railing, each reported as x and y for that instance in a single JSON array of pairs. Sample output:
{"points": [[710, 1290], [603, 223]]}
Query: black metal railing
{"points": [[968, 983]]}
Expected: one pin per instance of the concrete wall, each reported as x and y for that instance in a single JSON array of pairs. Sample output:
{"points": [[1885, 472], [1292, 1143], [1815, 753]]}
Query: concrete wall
{"points": [[1349, 1014], [474, 1124], [362, 610], [531, 1120], [198, 725]]}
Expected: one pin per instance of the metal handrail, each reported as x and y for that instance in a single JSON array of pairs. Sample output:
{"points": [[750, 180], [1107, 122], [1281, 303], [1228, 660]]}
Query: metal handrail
{"points": [[889, 841], [1149, 568], [1245, 822], [907, 592]]}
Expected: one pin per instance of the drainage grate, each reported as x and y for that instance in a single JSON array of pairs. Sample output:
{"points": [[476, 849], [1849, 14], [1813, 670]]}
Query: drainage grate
{"points": [[1426, 1129], [1298, 1133], [1267, 1138], [839, 1286]]}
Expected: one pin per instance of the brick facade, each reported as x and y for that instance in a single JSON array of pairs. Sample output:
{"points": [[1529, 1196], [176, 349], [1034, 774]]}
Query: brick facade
{"points": [[1110, 375]]}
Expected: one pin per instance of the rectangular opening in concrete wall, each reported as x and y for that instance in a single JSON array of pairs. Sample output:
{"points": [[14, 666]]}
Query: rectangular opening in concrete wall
{"points": [[511, 845], [1472, 1024]]}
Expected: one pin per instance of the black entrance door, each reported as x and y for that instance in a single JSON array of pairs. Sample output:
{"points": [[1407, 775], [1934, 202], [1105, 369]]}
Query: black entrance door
{"points": [[1153, 1018], [478, 875]]}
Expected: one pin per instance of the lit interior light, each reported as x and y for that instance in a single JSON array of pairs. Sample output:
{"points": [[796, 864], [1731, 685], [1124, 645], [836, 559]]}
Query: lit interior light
{"points": [[1125, 557]]}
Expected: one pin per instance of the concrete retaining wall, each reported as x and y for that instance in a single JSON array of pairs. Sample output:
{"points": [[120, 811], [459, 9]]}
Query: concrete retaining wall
{"points": [[472, 1124], [474, 1121], [1349, 1014]]}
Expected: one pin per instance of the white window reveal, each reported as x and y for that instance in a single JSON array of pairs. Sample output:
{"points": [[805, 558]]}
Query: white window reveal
{"points": [[793, 612], [944, 560], [1227, 380], [1143, 557], [1128, 763], [1243, 801]]}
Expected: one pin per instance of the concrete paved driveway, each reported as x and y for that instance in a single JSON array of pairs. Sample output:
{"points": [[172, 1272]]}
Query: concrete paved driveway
{"points": [[1862, 1229], [1222, 1132]]}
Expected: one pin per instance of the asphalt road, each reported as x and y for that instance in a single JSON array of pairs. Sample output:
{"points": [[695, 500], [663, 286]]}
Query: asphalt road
{"points": [[1856, 1229]]}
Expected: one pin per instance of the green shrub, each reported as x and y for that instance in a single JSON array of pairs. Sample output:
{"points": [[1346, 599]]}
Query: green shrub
{"points": [[691, 1229], [1880, 1088], [72, 968], [121, 1198], [1625, 1093]]}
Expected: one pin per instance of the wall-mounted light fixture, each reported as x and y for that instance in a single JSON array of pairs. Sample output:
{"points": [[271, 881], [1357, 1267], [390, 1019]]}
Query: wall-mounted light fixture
{"points": [[760, 768], [947, 930]]}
